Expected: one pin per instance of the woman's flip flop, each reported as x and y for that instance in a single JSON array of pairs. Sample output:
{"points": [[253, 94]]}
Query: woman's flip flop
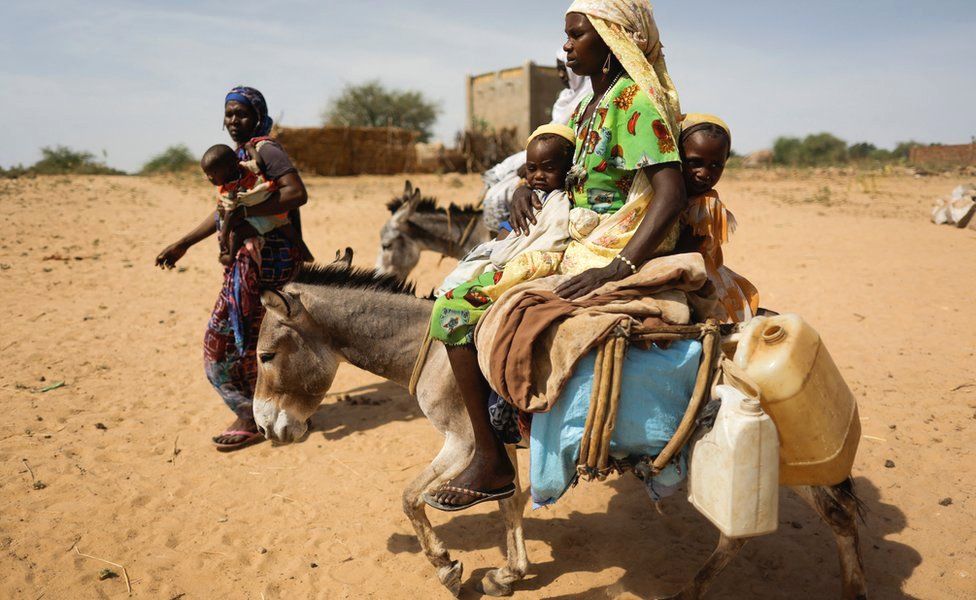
{"points": [[500, 494], [250, 438]]}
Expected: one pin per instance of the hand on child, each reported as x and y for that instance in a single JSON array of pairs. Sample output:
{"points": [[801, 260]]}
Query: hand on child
{"points": [[524, 206]]}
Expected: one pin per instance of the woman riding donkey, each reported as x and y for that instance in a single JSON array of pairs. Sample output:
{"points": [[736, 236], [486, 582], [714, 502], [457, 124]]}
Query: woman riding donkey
{"points": [[626, 169], [268, 261]]}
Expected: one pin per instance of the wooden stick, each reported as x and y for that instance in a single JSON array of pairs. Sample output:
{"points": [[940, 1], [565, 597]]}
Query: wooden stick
{"points": [[599, 421], [125, 574], [703, 385], [591, 412], [27, 464], [619, 350]]}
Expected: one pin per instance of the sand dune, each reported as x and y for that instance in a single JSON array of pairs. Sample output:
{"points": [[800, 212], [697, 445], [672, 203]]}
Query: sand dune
{"points": [[129, 474]]}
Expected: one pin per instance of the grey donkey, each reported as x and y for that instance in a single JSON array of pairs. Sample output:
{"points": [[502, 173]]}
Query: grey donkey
{"points": [[416, 224], [333, 314]]}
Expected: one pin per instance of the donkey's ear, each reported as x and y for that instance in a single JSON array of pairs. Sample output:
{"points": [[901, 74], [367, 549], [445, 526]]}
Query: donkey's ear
{"points": [[343, 258], [414, 201], [284, 304], [407, 189]]}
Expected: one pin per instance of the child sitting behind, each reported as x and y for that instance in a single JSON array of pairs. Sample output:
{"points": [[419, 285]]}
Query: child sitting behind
{"points": [[242, 185], [705, 146]]}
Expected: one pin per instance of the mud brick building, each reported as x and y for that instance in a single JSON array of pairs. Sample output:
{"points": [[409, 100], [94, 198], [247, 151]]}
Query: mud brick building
{"points": [[519, 98]]}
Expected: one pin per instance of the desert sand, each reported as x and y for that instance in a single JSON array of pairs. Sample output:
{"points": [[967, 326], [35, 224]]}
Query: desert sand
{"points": [[129, 475]]}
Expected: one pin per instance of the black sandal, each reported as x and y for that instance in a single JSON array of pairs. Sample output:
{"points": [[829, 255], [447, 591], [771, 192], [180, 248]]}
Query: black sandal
{"points": [[500, 494]]}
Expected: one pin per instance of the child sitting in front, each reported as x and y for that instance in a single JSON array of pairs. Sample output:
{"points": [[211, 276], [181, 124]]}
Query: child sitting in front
{"points": [[242, 184], [492, 268], [549, 155], [705, 146]]}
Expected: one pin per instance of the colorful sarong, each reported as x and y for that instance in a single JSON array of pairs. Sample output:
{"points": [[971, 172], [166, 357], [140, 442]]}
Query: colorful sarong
{"points": [[230, 343]]}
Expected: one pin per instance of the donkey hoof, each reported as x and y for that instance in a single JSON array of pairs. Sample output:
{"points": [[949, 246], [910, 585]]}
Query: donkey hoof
{"points": [[492, 586], [450, 577]]}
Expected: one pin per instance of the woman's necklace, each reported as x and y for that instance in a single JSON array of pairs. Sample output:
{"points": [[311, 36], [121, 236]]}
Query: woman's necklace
{"points": [[578, 172]]}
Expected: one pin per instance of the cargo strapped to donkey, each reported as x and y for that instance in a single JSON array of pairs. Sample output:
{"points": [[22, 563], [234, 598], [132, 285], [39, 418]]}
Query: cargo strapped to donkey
{"points": [[594, 457]]}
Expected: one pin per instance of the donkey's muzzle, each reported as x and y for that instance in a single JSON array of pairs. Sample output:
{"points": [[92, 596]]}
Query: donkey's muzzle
{"points": [[276, 424]]}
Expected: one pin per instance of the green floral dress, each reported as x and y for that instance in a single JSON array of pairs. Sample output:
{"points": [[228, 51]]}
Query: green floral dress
{"points": [[625, 134]]}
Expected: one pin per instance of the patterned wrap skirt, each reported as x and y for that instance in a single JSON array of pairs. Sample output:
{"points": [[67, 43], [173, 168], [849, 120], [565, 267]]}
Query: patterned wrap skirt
{"points": [[230, 343]]}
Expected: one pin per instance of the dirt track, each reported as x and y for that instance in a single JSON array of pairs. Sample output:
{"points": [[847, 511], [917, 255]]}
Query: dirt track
{"points": [[891, 294]]}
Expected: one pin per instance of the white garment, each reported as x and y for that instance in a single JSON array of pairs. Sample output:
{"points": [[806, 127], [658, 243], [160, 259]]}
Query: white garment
{"points": [[570, 97], [549, 234], [504, 169], [501, 182], [958, 209]]}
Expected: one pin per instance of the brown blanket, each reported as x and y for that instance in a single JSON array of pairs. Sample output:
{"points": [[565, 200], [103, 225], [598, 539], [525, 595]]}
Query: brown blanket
{"points": [[530, 340]]}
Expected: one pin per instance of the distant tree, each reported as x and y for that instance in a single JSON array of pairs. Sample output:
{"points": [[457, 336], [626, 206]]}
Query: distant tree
{"points": [[174, 159], [903, 149], [62, 160], [824, 149], [787, 151], [820, 149], [372, 105], [861, 150]]}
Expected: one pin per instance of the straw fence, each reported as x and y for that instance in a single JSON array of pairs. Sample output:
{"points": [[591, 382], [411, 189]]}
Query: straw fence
{"points": [[349, 150]]}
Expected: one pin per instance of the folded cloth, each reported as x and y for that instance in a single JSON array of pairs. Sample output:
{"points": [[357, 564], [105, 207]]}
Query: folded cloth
{"points": [[656, 387], [530, 341]]}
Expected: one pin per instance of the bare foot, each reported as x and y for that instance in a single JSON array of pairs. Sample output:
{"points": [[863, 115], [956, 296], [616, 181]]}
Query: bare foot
{"points": [[225, 260], [488, 471]]}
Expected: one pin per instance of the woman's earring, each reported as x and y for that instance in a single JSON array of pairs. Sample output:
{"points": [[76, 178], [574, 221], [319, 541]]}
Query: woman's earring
{"points": [[606, 65]]}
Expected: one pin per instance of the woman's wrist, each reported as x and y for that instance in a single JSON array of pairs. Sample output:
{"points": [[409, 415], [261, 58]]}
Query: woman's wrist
{"points": [[625, 264]]}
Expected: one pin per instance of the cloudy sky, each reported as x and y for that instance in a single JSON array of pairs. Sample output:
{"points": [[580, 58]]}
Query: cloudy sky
{"points": [[131, 78]]}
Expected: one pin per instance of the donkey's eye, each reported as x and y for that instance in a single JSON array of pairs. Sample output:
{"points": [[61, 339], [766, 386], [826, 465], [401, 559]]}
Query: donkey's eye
{"points": [[266, 356]]}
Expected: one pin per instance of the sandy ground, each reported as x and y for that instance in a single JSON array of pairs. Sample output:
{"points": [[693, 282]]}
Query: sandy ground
{"points": [[124, 447]]}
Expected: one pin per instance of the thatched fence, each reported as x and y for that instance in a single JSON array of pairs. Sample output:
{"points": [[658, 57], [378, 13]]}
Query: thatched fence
{"points": [[349, 150]]}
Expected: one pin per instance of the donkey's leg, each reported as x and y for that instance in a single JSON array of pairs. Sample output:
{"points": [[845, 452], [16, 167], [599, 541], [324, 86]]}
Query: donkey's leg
{"points": [[498, 582], [727, 549], [838, 506], [449, 461]]}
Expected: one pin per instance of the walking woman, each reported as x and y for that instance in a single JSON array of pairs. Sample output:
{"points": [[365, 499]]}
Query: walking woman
{"points": [[626, 169], [268, 263]]}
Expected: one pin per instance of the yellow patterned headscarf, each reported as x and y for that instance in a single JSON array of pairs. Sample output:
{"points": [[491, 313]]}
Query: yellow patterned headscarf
{"points": [[629, 29], [562, 131], [695, 119]]}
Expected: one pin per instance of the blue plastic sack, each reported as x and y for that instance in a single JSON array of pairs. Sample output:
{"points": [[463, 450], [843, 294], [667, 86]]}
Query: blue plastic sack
{"points": [[656, 388]]}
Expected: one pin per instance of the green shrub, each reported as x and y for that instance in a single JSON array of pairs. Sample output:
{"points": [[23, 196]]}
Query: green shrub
{"points": [[62, 160], [174, 159]]}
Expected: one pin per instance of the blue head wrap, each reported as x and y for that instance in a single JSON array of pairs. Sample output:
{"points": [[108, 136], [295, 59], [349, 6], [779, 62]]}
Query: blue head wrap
{"points": [[254, 100]]}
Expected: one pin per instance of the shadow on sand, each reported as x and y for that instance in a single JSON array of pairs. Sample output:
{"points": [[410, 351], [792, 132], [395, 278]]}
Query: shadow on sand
{"points": [[658, 554], [362, 409]]}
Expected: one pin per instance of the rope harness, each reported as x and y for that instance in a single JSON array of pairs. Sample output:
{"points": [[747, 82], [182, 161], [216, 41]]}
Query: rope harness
{"points": [[594, 458]]}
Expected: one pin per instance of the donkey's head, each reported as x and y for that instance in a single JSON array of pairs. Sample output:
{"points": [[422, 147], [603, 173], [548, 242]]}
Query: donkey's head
{"points": [[296, 364], [399, 251]]}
